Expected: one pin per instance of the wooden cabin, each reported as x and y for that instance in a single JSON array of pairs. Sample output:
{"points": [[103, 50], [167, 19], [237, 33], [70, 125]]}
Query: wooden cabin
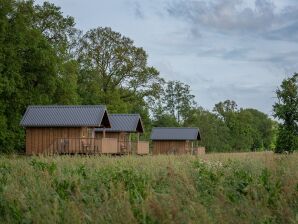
{"points": [[126, 128], [64, 129], [174, 140]]}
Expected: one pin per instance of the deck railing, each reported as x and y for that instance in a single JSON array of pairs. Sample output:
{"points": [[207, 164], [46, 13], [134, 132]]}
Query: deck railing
{"points": [[133, 147], [75, 146], [96, 146], [142, 148], [109, 145], [196, 150]]}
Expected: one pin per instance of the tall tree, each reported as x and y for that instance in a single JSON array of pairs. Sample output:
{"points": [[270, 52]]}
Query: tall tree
{"points": [[262, 128], [61, 33], [59, 30], [111, 66], [33, 69], [286, 110], [28, 71], [178, 100], [225, 109]]}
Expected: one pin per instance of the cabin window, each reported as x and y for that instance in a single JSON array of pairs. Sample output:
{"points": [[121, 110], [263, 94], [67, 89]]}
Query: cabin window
{"points": [[87, 133], [83, 132], [90, 132]]}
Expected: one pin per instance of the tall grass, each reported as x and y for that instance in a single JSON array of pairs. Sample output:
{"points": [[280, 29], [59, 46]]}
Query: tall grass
{"points": [[214, 188]]}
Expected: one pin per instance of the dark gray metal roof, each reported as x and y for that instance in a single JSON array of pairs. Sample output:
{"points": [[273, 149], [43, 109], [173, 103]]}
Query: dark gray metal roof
{"points": [[65, 116], [124, 123], [175, 134]]}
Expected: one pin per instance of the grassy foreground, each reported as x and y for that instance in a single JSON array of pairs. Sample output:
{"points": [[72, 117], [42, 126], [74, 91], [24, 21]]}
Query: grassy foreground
{"points": [[214, 188]]}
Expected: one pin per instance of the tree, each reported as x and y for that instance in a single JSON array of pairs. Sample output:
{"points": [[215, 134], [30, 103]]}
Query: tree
{"points": [[34, 69], [249, 129], [60, 31], [110, 65], [214, 132], [286, 110], [225, 109], [67, 83], [28, 70], [177, 100], [62, 35], [263, 129]]}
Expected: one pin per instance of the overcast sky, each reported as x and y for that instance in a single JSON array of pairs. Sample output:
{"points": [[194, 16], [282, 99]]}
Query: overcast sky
{"points": [[224, 49]]}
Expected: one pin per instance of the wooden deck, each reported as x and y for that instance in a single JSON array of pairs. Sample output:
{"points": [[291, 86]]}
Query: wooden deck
{"points": [[96, 146]]}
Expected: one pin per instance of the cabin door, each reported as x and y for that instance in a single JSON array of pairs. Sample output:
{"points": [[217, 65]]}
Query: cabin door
{"points": [[123, 142], [173, 147]]}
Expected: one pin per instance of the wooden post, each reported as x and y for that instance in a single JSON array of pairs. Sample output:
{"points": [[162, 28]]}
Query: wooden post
{"points": [[129, 143], [104, 133], [119, 142], [138, 139]]}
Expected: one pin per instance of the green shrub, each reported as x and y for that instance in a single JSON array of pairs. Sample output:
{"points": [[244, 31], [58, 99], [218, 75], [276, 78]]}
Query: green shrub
{"points": [[39, 165]]}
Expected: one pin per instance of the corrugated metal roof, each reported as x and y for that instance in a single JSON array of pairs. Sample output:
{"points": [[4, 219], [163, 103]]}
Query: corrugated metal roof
{"points": [[124, 123], [175, 134], [64, 116]]}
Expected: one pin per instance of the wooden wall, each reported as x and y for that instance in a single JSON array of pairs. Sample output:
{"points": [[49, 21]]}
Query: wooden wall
{"points": [[122, 138], [170, 147], [99, 135], [38, 140]]}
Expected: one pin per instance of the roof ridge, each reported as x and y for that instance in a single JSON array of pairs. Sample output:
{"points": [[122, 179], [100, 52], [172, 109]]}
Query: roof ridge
{"points": [[125, 114], [176, 127], [175, 133], [54, 105], [63, 115]]}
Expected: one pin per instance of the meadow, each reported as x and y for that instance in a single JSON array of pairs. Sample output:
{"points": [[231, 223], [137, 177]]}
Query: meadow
{"points": [[213, 188]]}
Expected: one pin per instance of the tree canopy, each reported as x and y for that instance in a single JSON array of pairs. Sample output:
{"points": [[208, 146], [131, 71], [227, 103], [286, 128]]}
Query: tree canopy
{"points": [[112, 67], [286, 109], [28, 69]]}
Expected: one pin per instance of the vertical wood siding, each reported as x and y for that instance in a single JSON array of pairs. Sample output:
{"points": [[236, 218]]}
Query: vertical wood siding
{"points": [[169, 147], [38, 140], [122, 139]]}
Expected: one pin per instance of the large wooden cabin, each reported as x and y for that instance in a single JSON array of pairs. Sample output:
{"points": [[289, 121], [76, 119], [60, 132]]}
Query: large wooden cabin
{"points": [[126, 128], [65, 129], [175, 140]]}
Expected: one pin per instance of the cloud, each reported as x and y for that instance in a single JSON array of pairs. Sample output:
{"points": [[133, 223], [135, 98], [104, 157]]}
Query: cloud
{"points": [[287, 33], [138, 11], [237, 16], [224, 49], [244, 95]]}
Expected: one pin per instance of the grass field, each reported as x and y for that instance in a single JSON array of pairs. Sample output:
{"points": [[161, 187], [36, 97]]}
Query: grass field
{"points": [[214, 188]]}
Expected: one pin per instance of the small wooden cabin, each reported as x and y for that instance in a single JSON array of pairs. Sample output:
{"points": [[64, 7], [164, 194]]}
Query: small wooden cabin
{"points": [[63, 129], [174, 140], [123, 127]]}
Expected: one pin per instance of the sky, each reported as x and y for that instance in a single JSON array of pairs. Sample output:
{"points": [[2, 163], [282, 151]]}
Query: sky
{"points": [[224, 49]]}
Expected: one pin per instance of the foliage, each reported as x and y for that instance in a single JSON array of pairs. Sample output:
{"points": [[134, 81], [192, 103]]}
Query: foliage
{"points": [[165, 120], [62, 35], [217, 188], [110, 65], [214, 132], [175, 101], [249, 129], [27, 69], [286, 109]]}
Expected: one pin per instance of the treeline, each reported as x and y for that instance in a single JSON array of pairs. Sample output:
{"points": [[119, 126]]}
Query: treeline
{"points": [[44, 59]]}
